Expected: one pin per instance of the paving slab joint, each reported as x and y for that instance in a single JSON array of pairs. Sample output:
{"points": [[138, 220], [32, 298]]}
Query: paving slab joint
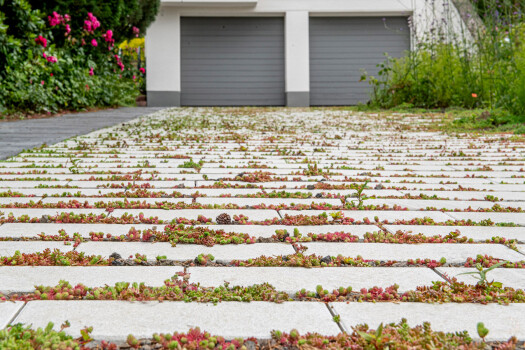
{"points": [[447, 214], [442, 275], [519, 251], [334, 315], [17, 313]]}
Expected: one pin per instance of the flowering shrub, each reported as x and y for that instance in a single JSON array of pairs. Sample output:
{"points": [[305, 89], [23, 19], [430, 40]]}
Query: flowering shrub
{"points": [[39, 73]]}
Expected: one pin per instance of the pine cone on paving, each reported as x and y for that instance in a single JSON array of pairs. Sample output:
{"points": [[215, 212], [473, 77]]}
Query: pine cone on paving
{"points": [[224, 219]]}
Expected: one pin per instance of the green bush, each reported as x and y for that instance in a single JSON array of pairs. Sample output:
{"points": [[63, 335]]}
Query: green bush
{"points": [[37, 75], [488, 73], [426, 79]]}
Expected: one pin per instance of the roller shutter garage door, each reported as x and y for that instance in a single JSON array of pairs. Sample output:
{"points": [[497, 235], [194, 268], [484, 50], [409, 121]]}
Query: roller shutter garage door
{"points": [[232, 61], [340, 47]]}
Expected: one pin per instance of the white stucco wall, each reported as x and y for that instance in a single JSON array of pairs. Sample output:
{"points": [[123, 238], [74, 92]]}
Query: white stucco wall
{"points": [[162, 47], [163, 37], [297, 51]]}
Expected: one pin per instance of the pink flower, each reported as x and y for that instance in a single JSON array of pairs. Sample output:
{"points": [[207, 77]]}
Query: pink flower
{"points": [[44, 55], [91, 71], [88, 26], [68, 29], [40, 40], [91, 23], [108, 36], [51, 59], [142, 70], [94, 42], [67, 18], [136, 31], [42, 83], [94, 21], [134, 77], [55, 19]]}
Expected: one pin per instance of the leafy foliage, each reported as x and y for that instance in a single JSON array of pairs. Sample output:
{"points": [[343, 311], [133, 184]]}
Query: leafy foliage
{"points": [[50, 63], [119, 15], [450, 70]]}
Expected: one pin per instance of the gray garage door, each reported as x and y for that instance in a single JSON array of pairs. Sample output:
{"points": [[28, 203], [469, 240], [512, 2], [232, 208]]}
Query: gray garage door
{"points": [[232, 61], [340, 47]]}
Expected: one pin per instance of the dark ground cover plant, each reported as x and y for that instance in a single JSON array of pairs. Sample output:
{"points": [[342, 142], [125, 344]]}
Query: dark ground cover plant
{"points": [[178, 288], [56, 257], [289, 220], [53, 258], [54, 61], [450, 291], [482, 70], [389, 336]]}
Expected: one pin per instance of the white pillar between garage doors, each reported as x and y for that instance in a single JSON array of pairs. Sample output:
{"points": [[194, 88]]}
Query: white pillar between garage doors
{"points": [[163, 78], [297, 56]]}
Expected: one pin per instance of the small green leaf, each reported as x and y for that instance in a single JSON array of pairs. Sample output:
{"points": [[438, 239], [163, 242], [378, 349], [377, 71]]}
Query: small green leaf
{"points": [[482, 330], [368, 337]]}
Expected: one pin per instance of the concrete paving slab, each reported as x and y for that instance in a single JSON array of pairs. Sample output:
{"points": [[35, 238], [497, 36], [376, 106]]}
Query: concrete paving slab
{"points": [[267, 231], [510, 277], [185, 251], [8, 312], [515, 218], [266, 201], [389, 215], [25, 278], [478, 233], [228, 319], [19, 230], [454, 253], [131, 201], [39, 212], [6, 201], [293, 279], [193, 214], [9, 248], [503, 321]]}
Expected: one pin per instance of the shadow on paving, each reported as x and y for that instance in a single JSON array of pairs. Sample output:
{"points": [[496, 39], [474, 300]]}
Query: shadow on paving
{"points": [[27, 134]]}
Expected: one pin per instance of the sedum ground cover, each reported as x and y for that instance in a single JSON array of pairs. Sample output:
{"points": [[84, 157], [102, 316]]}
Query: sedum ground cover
{"points": [[265, 226]]}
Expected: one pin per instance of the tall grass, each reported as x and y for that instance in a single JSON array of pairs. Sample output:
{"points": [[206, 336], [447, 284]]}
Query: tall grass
{"points": [[481, 69]]}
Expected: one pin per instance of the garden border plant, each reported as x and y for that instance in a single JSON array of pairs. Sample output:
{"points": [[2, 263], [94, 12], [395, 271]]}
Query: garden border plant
{"points": [[483, 73], [50, 65]]}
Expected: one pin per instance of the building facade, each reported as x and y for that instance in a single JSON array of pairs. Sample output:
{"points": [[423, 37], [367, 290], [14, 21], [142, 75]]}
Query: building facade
{"points": [[294, 53]]}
